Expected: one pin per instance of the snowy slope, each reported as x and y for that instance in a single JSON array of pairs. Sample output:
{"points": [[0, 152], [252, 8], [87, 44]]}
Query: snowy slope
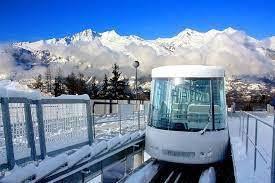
{"points": [[94, 53]]}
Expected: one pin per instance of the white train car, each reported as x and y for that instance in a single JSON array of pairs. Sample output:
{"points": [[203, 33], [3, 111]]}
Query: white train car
{"points": [[187, 120]]}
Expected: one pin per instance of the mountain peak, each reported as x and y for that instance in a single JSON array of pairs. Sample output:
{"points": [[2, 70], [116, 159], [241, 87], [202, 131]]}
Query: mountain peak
{"points": [[110, 34], [86, 35], [187, 31], [230, 30]]}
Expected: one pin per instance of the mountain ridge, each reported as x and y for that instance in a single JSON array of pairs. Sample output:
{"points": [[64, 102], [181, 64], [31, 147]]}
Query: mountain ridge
{"points": [[94, 52]]}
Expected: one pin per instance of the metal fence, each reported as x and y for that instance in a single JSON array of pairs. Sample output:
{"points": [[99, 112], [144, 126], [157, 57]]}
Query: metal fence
{"points": [[33, 129], [249, 131], [128, 118]]}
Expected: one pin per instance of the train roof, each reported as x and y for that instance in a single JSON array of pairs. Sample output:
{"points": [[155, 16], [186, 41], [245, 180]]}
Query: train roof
{"points": [[188, 71]]}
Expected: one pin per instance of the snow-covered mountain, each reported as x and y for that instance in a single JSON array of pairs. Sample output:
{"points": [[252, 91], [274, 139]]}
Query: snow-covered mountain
{"points": [[94, 53]]}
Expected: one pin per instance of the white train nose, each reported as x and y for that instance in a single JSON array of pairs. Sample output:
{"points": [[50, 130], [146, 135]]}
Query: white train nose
{"points": [[187, 147]]}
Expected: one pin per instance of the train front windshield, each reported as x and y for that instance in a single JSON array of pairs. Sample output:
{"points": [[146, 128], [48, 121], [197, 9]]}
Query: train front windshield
{"points": [[188, 104]]}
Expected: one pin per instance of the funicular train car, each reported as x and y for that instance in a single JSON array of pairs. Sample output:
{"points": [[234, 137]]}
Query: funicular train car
{"points": [[187, 120]]}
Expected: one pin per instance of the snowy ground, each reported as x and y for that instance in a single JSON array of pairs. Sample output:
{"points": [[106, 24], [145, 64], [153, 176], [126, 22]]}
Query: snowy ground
{"points": [[244, 163]]}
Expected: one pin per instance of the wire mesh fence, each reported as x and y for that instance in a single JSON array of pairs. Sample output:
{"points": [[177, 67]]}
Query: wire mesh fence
{"points": [[32, 129], [65, 125]]}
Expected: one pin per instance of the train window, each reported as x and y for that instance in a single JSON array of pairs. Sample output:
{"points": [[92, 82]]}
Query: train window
{"points": [[188, 104]]}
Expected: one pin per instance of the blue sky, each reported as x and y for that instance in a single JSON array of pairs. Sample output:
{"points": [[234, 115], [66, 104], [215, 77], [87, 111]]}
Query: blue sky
{"points": [[29, 20]]}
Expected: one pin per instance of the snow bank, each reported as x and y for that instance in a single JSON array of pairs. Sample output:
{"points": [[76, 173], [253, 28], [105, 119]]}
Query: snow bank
{"points": [[208, 176], [14, 89]]}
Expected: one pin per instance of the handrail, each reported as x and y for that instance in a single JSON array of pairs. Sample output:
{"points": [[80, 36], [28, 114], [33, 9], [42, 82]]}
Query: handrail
{"points": [[259, 119], [255, 143]]}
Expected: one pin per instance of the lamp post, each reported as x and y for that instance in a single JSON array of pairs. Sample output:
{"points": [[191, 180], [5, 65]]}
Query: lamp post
{"points": [[136, 65]]}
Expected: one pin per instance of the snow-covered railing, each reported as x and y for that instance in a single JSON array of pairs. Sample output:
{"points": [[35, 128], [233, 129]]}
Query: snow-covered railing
{"points": [[250, 134], [30, 129], [52, 165]]}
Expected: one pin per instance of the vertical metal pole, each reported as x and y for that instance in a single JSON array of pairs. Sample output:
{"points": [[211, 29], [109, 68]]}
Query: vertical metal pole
{"points": [[30, 132], [212, 104], [247, 128], [255, 143], [136, 86], [119, 108], [139, 117], [94, 118], [240, 126], [89, 122], [41, 129], [273, 154], [7, 132], [243, 125]]}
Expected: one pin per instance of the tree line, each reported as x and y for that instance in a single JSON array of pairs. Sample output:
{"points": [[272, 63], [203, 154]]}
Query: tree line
{"points": [[114, 87]]}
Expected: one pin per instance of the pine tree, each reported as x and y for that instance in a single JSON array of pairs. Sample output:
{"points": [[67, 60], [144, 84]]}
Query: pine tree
{"points": [[71, 84], [93, 89], [104, 91], [59, 84], [117, 86], [38, 84], [82, 87], [48, 80], [76, 84]]}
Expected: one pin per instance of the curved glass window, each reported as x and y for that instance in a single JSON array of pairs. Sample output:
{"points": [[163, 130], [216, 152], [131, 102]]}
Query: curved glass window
{"points": [[188, 104]]}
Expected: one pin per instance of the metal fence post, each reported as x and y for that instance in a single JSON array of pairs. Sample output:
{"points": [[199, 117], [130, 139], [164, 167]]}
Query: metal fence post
{"points": [[246, 141], [273, 154], [139, 117], [41, 129], [119, 108], [29, 125], [255, 143], [240, 126], [90, 122], [243, 125], [7, 132]]}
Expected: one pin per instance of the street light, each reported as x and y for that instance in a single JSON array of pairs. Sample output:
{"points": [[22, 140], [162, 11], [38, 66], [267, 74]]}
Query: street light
{"points": [[136, 64]]}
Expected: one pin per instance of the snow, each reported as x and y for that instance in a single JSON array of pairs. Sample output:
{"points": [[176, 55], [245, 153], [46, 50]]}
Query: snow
{"points": [[240, 53], [145, 174], [208, 176], [79, 155], [113, 142], [51, 164], [83, 97], [14, 89], [98, 148], [244, 163], [19, 174]]}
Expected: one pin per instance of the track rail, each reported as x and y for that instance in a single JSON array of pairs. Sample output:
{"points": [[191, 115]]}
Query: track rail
{"points": [[176, 173]]}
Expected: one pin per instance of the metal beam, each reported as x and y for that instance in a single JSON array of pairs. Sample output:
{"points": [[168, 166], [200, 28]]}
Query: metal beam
{"points": [[7, 132]]}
